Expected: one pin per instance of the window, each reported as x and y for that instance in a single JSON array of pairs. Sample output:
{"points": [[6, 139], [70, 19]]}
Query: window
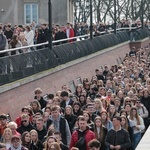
{"points": [[30, 13]]}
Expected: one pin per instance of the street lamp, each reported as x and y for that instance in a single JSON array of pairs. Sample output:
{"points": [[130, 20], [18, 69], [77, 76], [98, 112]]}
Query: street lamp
{"points": [[142, 14], [91, 20], [115, 17], [50, 24]]}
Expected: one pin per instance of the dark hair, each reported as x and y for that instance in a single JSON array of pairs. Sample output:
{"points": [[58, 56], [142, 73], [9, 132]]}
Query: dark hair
{"points": [[117, 117], [24, 143], [50, 96], [94, 143], [64, 93]]}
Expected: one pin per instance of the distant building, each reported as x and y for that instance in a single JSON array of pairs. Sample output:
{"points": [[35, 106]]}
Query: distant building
{"points": [[27, 11]]}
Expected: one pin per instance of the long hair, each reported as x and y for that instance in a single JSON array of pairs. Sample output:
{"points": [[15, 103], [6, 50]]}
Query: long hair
{"points": [[14, 41], [24, 143], [126, 122], [34, 131], [136, 115], [46, 142], [100, 135], [3, 136]]}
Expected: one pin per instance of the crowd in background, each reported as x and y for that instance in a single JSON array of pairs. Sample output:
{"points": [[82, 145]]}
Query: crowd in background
{"points": [[109, 111], [24, 35]]}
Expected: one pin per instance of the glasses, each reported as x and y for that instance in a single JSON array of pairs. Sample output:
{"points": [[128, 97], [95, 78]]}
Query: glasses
{"points": [[138, 102], [23, 120]]}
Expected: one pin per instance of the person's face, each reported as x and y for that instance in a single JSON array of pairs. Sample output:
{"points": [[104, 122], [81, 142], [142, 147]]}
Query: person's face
{"points": [[115, 122], [7, 135], [79, 89], [48, 111], [16, 143], [138, 103], [34, 106], [134, 112], [104, 116], [123, 121], [76, 107], [96, 105], [39, 125], [86, 116], [145, 93], [68, 111], [25, 111], [112, 109], [46, 116], [98, 123], [27, 138], [34, 136], [55, 114], [3, 121], [51, 140], [127, 108], [82, 124], [90, 109], [117, 102], [57, 136], [25, 121], [13, 129]]}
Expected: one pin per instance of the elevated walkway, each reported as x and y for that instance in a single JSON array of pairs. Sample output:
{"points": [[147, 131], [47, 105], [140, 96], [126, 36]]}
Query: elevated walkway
{"points": [[145, 141]]}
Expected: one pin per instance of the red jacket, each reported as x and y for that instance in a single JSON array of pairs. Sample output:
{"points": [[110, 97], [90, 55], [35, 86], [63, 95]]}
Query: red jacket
{"points": [[89, 135], [71, 34]]}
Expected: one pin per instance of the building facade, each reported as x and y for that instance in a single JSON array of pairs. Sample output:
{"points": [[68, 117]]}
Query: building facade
{"points": [[27, 11]]}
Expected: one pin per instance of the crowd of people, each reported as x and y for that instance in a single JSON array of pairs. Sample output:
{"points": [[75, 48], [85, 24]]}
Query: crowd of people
{"points": [[109, 111], [27, 35]]}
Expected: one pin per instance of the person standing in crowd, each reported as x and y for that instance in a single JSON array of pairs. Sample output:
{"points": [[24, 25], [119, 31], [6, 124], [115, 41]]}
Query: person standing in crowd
{"points": [[117, 138], [60, 34], [45, 30], [8, 32], [29, 35], [94, 145], [3, 42], [57, 135], [41, 38], [138, 126], [23, 42], [39, 98], [40, 128], [60, 124], [16, 144], [100, 132], [70, 117], [65, 99], [26, 139], [15, 43], [13, 126], [82, 135], [69, 32], [3, 123], [25, 124], [36, 144], [6, 137]]}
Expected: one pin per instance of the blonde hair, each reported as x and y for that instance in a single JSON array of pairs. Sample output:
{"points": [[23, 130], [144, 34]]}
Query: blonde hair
{"points": [[12, 123], [6, 130]]}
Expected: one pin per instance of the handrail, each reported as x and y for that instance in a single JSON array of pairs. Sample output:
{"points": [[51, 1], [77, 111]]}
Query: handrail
{"points": [[57, 41]]}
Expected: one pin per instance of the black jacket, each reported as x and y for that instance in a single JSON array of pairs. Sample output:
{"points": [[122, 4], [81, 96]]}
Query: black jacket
{"points": [[41, 134], [63, 103], [23, 128], [120, 137], [71, 119]]}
